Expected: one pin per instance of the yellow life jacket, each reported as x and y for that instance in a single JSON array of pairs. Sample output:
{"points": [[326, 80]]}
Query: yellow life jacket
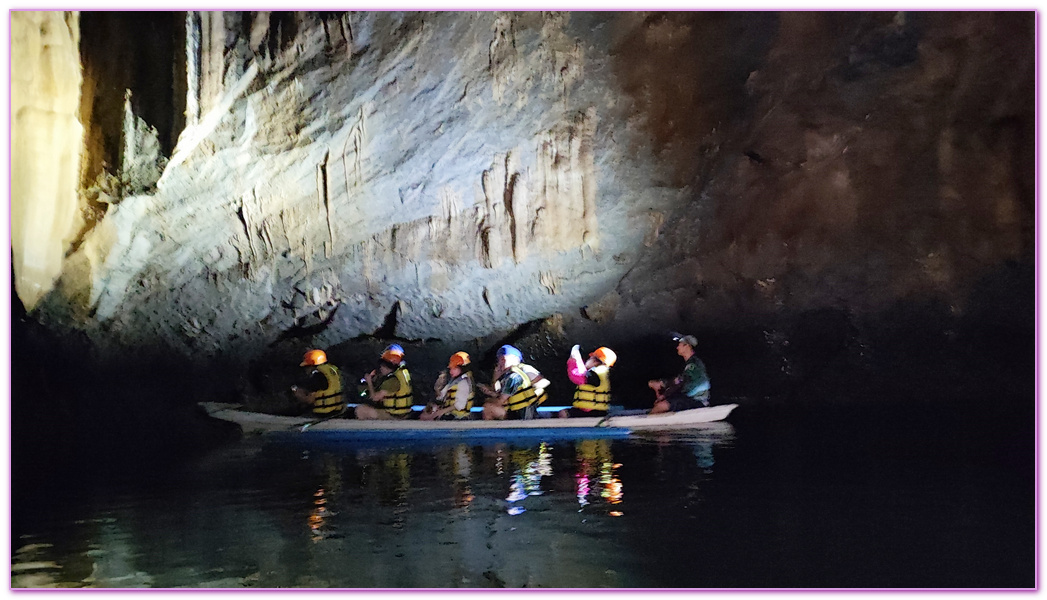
{"points": [[525, 395], [453, 391], [399, 403], [595, 397], [330, 400]]}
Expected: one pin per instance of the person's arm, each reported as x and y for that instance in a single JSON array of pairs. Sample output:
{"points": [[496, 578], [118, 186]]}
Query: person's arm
{"points": [[591, 378], [537, 379], [493, 390], [369, 380], [511, 382], [302, 395], [540, 382], [306, 394], [441, 387], [664, 387], [461, 397], [388, 387], [576, 367], [435, 409], [693, 378]]}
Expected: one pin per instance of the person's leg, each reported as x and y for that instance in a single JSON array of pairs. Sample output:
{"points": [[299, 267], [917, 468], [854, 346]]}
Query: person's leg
{"points": [[680, 402], [588, 413], [577, 412], [660, 406], [364, 411], [492, 412], [368, 412]]}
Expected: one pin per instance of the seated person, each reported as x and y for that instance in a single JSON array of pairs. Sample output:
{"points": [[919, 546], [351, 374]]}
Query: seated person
{"points": [[454, 398], [592, 397], [514, 394], [321, 385], [389, 393], [688, 390]]}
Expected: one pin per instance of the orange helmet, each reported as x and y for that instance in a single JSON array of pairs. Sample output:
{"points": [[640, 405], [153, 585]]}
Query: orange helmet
{"points": [[393, 357], [314, 357], [605, 355], [458, 359]]}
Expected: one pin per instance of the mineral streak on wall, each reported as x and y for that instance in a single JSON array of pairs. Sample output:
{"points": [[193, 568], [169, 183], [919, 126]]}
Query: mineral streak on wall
{"points": [[45, 146]]}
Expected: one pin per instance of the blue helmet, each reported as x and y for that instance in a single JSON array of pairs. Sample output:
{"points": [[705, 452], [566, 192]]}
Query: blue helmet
{"points": [[508, 350], [394, 348]]}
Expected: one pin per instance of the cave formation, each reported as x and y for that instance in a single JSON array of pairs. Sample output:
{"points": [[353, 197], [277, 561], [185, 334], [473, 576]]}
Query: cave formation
{"points": [[811, 193]]}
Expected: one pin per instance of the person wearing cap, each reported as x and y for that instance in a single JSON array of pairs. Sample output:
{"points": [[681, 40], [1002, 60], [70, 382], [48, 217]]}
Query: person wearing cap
{"points": [[516, 393], [321, 385], [454, 391], [690, 389], [592, 397], [388, 388]]}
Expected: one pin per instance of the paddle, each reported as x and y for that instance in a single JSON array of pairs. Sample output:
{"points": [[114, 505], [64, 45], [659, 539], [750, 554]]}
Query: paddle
{"points": [[620, 411], [325, 418]]}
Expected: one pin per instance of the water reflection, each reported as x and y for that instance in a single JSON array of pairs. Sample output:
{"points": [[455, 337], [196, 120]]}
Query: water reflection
{"points": [[320, 513], [477, 515], [316, 516], [455, 465], [529, 466], [29, 567], [597, 474], [703, 453], [107, 557], [389, 477], [463, 463], [700, 441]]}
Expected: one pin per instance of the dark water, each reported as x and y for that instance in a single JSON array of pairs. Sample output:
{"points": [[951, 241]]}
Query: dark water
{"points": [[828, 498]]}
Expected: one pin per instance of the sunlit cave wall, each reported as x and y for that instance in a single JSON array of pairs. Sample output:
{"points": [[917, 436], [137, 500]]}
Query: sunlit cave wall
{"points": [[252, 184]]}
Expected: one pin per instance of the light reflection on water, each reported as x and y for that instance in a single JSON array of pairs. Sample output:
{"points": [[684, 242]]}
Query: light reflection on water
{"points": [[264, 514], [832, 503], [596, 475], [692, 509]]}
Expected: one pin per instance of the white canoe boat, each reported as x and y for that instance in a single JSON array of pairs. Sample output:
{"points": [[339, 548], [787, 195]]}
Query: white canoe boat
{"points": [[612, 426]]}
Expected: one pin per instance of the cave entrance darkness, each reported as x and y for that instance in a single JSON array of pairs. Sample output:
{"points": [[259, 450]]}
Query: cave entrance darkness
{"points": [[114, 60]]}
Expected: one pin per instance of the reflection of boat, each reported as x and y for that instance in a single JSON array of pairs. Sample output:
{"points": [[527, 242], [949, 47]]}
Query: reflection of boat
{"points": [[718, 432], [612, 426]]}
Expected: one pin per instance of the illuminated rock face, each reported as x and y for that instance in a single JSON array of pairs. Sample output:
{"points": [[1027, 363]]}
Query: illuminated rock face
{"points": [[45, 147], [452, 176]]}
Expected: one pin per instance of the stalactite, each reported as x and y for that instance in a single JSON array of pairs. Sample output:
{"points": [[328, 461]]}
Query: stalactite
{"points": [[502, 55], [507, 200], [192, 67], [325, 193], [212, 58], [347, 32]]}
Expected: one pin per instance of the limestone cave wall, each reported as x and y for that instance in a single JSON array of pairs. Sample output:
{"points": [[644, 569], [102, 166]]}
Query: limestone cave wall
{"points": [[235, 185]]}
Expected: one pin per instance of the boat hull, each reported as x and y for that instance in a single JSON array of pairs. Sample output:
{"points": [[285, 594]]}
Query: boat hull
{"points": [[613, 426]]}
